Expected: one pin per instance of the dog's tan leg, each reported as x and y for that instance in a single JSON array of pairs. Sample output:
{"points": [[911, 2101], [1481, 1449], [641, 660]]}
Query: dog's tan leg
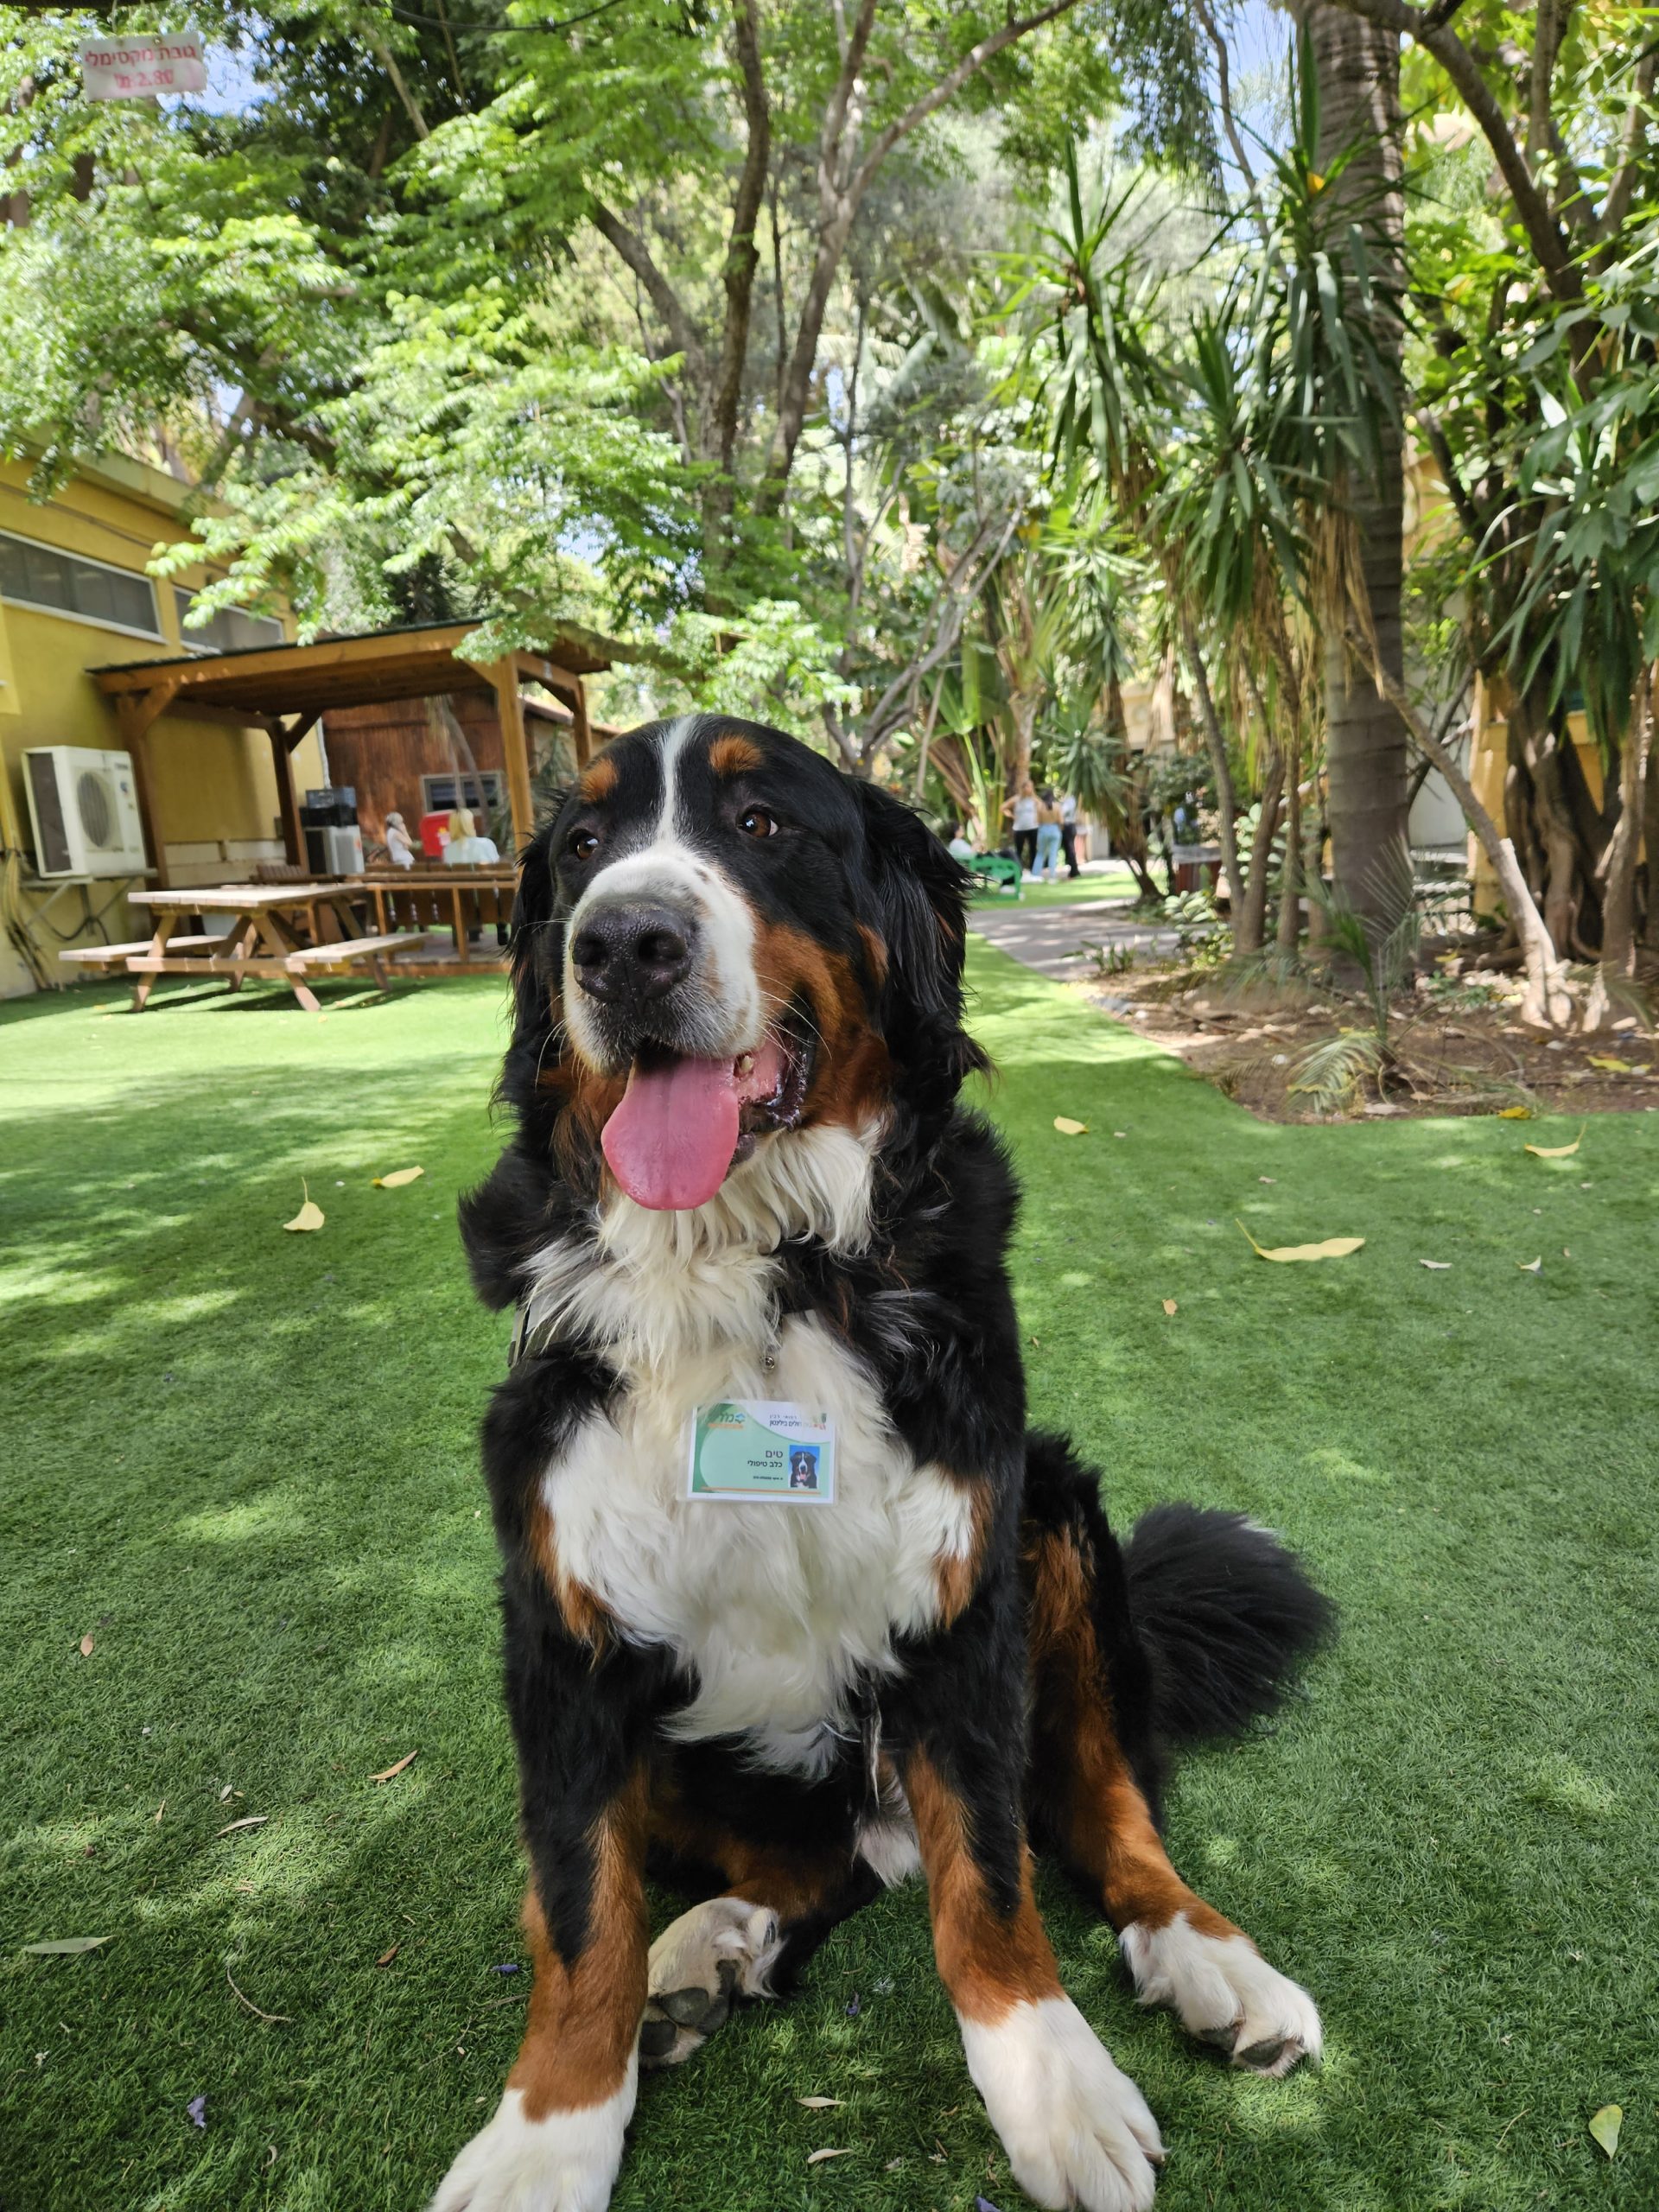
{"points": [[1180, 1952], [555, 2140]]}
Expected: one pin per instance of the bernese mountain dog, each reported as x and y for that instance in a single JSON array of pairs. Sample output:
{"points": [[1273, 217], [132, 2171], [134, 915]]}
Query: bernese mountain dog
{"points": [[745, 1201]]}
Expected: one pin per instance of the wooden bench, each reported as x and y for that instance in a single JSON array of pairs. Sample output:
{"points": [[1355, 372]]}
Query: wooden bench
{"points": [[344, 953], [115, 956]]}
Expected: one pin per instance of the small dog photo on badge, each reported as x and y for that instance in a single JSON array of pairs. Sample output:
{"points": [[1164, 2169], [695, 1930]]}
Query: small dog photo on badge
{"points": [[804, 1466]]}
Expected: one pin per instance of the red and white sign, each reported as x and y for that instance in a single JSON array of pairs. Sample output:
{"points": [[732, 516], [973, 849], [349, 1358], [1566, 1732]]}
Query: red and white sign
{"points": [[141, 67]]}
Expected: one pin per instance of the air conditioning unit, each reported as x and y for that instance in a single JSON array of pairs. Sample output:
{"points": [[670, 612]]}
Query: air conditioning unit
{"points": [[84, 809]]}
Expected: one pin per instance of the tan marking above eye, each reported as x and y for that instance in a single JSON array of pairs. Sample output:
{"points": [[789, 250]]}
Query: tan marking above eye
{"points": [[733, 755], [598, 780]]}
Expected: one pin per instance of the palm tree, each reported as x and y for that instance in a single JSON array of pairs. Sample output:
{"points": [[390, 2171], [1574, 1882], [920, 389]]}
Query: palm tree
{"points": [[1354, 68]]}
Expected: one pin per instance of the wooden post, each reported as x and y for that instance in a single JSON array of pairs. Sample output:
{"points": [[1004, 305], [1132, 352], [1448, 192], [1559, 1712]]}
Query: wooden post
{"points": [[583, 734], [515, 749], [287, 799], [134, 712]]}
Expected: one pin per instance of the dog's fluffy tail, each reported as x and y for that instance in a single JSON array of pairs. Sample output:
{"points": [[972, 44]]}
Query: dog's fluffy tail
{"points": [[1227, 1615]]}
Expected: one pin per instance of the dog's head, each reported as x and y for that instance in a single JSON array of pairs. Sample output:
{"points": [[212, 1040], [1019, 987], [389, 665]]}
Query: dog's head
{"points": [[719, 940]]}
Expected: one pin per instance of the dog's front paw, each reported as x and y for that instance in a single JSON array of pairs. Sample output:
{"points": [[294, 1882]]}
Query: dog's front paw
{"points": [[719, 1950], [566, 2162], [1223, 1991], [1076, 2131]]}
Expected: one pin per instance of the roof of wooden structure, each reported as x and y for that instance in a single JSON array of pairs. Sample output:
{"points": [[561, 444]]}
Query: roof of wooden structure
{"points": [[286, 688], [265, 681]]}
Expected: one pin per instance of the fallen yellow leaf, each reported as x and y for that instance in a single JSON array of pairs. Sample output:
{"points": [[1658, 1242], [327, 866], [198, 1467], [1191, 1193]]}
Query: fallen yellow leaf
{"points": [[817, 2104], [254, 1821], [397, 1177], [1614, 1067], [1531, 1266], [310, 1215], [1605, 2127], [1334, 1247], [1559, 1151], [1171, 1306], [386, 1957], [818, 2157], [408, 1759], [85, 1647], [1071, 1129], [1514, 1113]]}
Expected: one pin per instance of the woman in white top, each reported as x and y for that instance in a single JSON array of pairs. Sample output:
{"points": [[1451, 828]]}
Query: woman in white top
{"points": [[1023, 807], [465, 848], [399, 851]]}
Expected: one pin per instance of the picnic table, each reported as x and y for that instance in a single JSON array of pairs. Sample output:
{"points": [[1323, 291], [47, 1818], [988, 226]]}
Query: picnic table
{"points": [[417, 922], [285, 932]]}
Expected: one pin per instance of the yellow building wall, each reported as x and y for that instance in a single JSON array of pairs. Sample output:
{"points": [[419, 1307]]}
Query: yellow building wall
{"points": [[215, 786]]}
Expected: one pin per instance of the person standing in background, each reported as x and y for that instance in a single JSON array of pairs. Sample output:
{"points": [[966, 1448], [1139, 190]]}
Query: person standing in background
{"points": [[399, 851], [1069, 834], [1048, 836], [1023, 807]]}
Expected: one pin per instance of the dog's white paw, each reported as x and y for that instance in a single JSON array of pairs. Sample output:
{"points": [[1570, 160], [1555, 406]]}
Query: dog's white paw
{"points": [[564, 2163], [1223, 1991], [1076, 2131], [719, 1950]]}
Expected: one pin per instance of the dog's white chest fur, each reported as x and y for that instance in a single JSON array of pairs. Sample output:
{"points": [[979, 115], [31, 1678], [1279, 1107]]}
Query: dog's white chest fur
{"points": [[773, 1608]]}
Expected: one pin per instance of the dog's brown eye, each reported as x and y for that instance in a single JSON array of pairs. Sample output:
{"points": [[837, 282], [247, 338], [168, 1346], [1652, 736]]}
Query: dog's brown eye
{"points": [[583, 845], [755, 821]]}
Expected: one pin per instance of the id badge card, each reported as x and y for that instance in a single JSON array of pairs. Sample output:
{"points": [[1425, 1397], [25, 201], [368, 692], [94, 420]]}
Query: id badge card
{"points": [[744, 1450]]}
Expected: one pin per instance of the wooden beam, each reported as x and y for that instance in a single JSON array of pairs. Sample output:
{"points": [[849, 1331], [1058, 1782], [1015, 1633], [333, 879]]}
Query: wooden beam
{"points": [[288, 798], [407, 652], [583, 733], [536, 668], [515, 747], [134, 713]]}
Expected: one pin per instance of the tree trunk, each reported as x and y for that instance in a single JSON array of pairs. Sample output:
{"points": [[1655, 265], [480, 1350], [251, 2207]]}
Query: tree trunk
{"points": [[1250, 930], [1290, 887], [1357, 66], [1226, 805], [1618, 911], [1650, 839]]}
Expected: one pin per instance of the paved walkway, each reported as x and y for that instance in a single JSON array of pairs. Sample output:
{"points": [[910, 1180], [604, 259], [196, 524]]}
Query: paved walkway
{"points": [[1050, 939]]}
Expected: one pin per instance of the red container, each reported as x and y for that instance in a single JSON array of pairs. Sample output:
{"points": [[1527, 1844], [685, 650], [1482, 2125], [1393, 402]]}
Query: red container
{"points": [[435, 828]]}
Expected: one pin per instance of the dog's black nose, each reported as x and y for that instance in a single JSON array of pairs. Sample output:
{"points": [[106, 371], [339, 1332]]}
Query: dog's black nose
{"points": [[632, 951]]}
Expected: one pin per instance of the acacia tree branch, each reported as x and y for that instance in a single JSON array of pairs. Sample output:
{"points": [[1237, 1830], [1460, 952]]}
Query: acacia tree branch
{"points": [[1622, 191], [742, 254], [977, 569], [1543, 233], [633, 249], [840, 196], [1228, 122], [388, 61]]}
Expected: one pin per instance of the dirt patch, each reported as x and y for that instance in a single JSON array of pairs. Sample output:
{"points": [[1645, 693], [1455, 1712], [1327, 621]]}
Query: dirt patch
{"points": [[1458, 1049]]}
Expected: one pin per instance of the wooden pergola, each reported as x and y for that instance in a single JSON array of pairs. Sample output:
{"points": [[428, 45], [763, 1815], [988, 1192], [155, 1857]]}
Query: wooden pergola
{"points": [[284, 690]]}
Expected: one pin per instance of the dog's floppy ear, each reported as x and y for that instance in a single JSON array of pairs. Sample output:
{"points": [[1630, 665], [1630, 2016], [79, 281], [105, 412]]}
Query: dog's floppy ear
{"points": [[921, 893], [533, 952]]}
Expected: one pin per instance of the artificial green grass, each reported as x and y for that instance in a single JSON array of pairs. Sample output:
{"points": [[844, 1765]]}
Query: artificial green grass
{"points": [[1113, 882], [242, 1461]]}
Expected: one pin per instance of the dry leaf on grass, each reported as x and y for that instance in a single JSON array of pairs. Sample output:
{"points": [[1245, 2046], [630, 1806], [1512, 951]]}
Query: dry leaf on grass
{"points": [[63, 1947], [1333, 1247], [1514, 1113], [1439, 1266], [85, 1647], [254, 1821], [1605, 2127], [398, 1177], [408, 1759], [817, 2104], [818, 2157], [1267, 1179], [1071, 1129], [1613, 1067], [310, 1215], [1559, 1151], [1171, 1306], [386, 1957], [1530, 1267]]}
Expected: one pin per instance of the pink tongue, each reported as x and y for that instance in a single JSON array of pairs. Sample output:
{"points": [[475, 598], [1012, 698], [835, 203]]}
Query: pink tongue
{"points": [[671, 1140]]}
